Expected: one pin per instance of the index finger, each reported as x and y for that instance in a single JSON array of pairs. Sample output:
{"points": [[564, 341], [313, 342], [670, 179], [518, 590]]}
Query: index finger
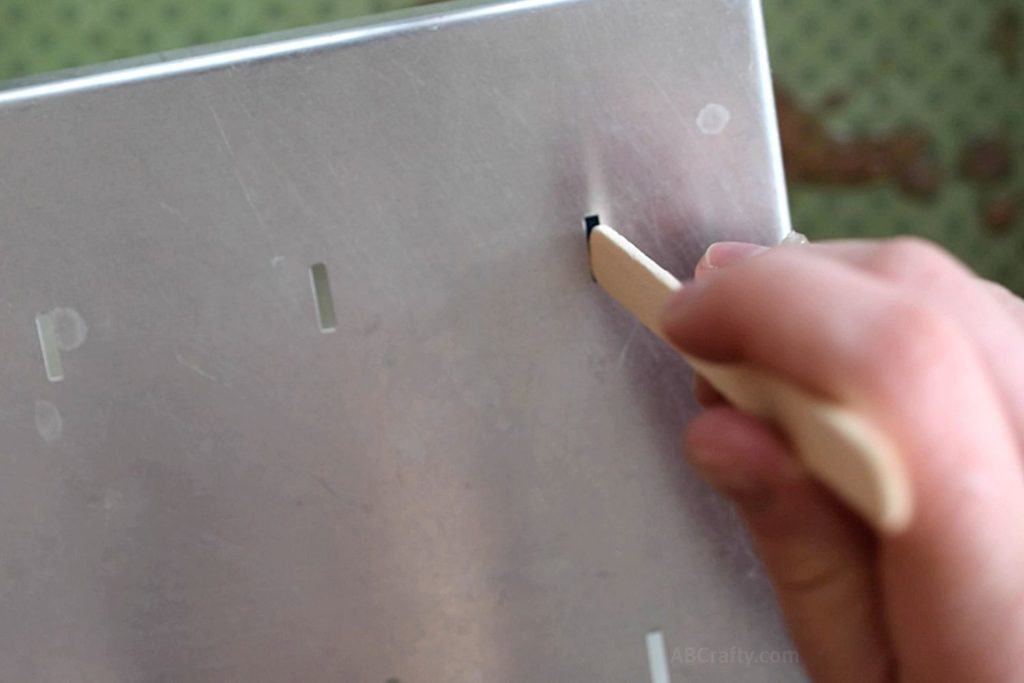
{"points": [[862, 342]]}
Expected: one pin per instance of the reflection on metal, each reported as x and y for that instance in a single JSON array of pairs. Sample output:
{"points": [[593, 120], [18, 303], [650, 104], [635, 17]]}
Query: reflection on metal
{"points": [[657, 657], [475, 476], [47, 331], [322, 296]]}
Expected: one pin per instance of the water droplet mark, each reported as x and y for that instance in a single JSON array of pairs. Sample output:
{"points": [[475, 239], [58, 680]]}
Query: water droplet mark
{"points": [[49, 423], [713, 119], [69, 328]]}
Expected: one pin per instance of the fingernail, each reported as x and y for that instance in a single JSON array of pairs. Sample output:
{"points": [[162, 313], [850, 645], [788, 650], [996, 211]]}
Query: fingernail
{"points": [[722, 254]]}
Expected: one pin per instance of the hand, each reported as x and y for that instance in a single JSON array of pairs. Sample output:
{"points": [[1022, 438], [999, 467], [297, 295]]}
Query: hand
{"points": [[903, 333]]}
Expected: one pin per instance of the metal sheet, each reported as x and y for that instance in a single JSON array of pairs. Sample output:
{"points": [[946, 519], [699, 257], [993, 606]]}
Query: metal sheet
{"points": [[475, 476]]}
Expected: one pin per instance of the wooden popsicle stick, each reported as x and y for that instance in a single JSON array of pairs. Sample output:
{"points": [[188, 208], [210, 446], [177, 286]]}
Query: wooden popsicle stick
{"points": [[848, 454]]}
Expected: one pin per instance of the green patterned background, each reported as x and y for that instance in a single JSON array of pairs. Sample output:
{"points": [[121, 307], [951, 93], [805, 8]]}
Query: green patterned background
{"points": [[951, 70]]}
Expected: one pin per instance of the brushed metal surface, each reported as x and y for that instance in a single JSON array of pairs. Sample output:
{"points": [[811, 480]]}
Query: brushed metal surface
{"points": [[475, 476]]}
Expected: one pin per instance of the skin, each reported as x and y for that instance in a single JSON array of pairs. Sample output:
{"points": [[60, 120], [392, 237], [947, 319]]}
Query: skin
{"points": [[906, 335]]}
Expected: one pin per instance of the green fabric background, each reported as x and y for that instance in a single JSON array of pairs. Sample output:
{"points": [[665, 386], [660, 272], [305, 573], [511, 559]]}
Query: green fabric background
{"points": [[925, 63]]}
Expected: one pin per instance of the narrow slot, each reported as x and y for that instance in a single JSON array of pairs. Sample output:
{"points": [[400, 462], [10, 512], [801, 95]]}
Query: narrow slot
{"points": [[657, 657], [47, 330], [589, 223], [323, 298]]}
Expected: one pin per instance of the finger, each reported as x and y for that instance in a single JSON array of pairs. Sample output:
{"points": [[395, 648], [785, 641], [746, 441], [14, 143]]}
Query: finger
{"points": [[818, 556], [990, 317], [1011, 303], [719, 255], [724, 254], [857, 339]]}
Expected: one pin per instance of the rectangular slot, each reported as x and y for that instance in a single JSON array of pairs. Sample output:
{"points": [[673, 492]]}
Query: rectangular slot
{"points": [[48, 343], [324, 300], [589, 223], [657, 657]]}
